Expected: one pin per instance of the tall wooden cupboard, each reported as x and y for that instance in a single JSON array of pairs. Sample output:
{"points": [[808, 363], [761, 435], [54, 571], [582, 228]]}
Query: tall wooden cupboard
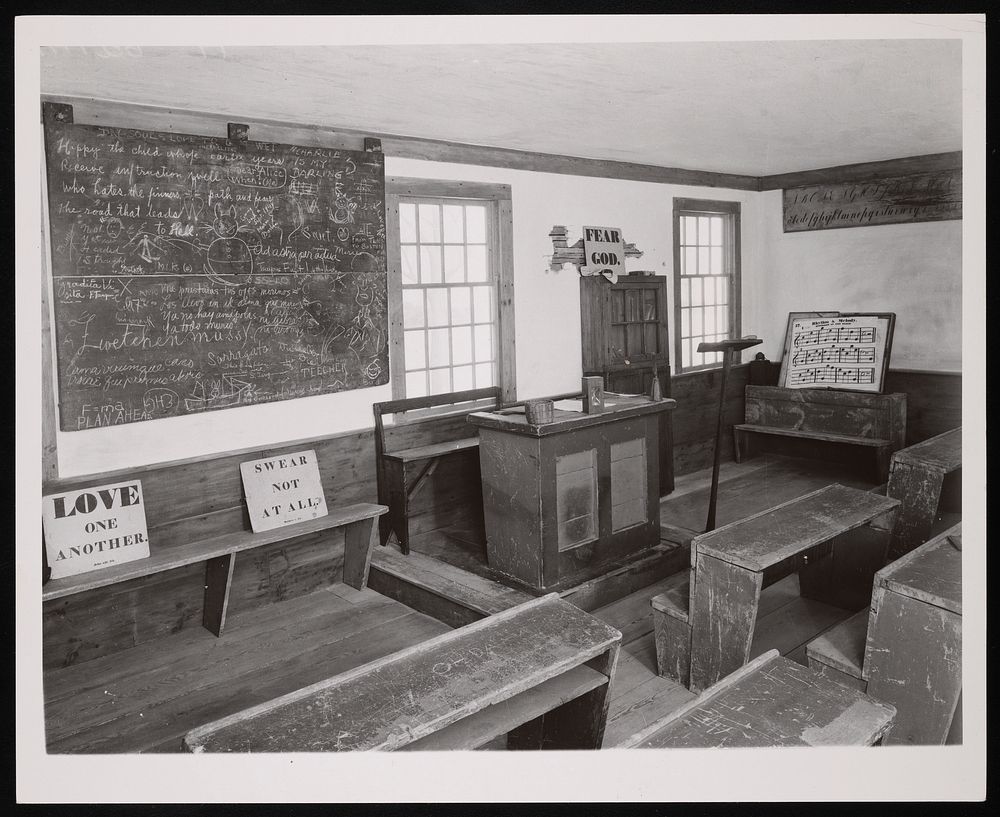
{"points": [[625, 335]]}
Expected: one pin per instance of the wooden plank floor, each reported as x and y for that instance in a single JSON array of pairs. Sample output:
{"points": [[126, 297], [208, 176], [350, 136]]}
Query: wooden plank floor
{"points": [[746, 488], [148, 697], [639, 696]]}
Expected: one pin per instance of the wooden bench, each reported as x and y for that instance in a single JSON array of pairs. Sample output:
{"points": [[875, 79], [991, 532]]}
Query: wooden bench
{"points": [[772, 701], [875, 422], [219, 555], [538, 672], [839, 653], [917, 475], [401, 472], [834, 538], [907, 648]]}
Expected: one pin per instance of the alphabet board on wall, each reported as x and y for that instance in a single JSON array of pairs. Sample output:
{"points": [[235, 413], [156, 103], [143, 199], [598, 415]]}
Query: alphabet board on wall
{"points": [[193, 273], [929, 196], [833, 350]]}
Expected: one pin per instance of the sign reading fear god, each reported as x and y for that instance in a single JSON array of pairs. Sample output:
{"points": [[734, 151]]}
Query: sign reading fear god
{"points": [[604, 252], [283, 490]]}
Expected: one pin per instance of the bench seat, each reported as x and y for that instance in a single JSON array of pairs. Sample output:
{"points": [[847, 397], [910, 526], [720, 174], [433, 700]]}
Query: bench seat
{"points": [[408, 452], [672, 629], [839, 653], [505, 673], [424, 452], [823, 436], [218, 553]]}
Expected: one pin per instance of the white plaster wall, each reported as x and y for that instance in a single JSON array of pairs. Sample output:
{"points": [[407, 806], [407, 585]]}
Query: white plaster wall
{"points": [[914, 270], [547, 316]]}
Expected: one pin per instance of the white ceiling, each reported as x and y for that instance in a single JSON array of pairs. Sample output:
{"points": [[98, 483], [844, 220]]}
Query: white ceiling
{"points": [[755, 108]]}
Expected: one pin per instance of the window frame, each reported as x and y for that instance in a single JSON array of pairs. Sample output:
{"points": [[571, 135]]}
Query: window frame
{"points": [[731, 262], [500, 252]]}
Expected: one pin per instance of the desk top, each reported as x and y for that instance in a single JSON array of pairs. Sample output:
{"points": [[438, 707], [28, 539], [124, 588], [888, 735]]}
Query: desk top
{"points": [[930, 573], [772, 701], [769, 537], [616, 407], [943, 451], [415, 692]]}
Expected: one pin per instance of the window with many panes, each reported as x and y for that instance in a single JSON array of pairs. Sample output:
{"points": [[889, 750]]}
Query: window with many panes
{"points": [[452, 329], [706, 278]]}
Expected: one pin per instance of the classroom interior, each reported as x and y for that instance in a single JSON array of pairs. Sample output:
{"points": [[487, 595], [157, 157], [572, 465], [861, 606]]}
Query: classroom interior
{"points": [[549, 521]]}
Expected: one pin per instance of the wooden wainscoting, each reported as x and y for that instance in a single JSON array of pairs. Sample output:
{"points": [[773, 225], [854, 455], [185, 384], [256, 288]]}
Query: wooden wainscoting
{"points": [[695, 418]]}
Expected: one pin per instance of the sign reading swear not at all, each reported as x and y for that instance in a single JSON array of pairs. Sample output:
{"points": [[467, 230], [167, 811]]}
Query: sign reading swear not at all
{"points": [[283, 490], [603, 252]]}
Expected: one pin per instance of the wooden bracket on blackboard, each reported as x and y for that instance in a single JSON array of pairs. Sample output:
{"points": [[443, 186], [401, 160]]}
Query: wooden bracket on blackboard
{"points": [[373, 145], [56, 113], [237, 132]]}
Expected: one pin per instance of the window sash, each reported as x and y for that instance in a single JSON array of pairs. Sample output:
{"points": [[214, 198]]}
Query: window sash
{"points": [[496, 333], [699, 250]]}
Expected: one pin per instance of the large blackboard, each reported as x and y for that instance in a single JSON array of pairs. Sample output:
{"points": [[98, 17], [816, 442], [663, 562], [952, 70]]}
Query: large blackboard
{"points": [[194, 273]]}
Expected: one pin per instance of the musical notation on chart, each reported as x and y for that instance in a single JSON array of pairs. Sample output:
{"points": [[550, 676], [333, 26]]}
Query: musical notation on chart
{"points": [[819, 375], [834, 354], [835, 335]]}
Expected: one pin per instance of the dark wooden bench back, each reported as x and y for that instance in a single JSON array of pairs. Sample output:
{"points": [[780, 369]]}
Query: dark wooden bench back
{"points": [[876, 416], [430, 429]]}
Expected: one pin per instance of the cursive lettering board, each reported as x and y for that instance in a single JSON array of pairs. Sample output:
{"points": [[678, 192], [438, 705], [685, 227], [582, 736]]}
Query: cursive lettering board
{"points": [[192, 273], [283, 490], [95, 527], [930, 196]]}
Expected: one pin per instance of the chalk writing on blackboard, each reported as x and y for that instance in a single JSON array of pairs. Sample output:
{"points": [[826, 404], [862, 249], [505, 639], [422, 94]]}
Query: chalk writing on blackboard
{"points": [[929, 196], [192, 273]]}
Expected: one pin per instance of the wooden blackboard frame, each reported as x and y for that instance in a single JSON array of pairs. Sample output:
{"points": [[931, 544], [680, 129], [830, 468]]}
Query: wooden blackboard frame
{"points": [[61, 115], [886, 349]]}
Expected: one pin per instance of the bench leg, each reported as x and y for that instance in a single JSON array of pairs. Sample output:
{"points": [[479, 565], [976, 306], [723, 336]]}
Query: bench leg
{"points": [[883, 458], [218, 580], [723, 618], [739, 441], [919, 490], [398, 502], [672, 637], [915, 665], [359, 539]]}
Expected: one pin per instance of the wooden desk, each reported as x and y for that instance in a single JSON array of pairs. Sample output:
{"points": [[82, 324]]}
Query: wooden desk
{"points": [[539, 672], [916, 477], [772, 701], [834, 538], [913, 654], [566, 497]]}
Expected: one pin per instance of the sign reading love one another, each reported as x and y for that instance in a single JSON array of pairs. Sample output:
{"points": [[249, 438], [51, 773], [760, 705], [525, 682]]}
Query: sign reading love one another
{"points": [[94, 528]]}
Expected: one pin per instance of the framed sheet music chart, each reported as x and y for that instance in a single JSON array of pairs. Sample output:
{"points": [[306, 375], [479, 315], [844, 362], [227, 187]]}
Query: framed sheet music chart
{"points": [[834, 350]]}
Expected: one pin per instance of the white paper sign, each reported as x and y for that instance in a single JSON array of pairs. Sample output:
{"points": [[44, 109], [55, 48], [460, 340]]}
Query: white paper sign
{"points": [[283, 490], [95, 527], [603, 252]]}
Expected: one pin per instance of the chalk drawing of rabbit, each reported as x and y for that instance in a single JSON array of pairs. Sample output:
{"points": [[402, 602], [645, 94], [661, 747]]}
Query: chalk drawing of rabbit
{"points": [[227, 254]]}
